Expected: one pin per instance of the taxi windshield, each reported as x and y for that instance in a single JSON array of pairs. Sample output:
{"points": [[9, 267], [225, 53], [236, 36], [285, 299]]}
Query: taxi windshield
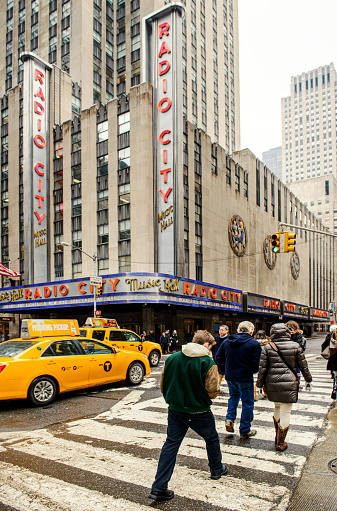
{"points": [[12, 348], [83, 333]]}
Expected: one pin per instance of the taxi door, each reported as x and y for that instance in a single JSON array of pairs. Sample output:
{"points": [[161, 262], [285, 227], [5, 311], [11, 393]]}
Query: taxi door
{"points": [[133, 342], [64, 360], [104, 364], [117, 339]]}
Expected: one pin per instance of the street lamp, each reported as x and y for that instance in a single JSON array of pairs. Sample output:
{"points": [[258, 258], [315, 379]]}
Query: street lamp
{"points": [[93, 257]]}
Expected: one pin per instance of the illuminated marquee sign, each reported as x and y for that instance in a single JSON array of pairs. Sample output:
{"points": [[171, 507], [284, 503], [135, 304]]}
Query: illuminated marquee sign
{"points": [[130, 288], [295, 310], [36, 166], [319, 314], [263, 304], [163, 69]]}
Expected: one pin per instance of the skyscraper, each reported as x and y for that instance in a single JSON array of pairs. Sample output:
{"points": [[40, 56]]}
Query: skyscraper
{"points": [[309, 140], [273, 160], [99, 42]]}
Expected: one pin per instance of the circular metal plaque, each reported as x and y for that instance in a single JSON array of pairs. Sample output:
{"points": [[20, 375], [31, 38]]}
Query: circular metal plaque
{"points": [[269, 256], [295, 265], [237, 235]]}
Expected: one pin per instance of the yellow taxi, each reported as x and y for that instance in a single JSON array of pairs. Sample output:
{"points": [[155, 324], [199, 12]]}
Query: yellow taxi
{"points": [[107, 331], [51, 357]]}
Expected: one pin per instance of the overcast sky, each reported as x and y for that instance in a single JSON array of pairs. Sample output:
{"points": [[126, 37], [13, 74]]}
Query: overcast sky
{"points": [[279, 39]]}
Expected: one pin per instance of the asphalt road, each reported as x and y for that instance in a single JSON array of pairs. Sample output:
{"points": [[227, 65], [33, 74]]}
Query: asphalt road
{"points": [[99, 450]]}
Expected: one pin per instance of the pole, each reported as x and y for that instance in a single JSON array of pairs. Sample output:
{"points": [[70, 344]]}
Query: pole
{"points": [[95, 275]]}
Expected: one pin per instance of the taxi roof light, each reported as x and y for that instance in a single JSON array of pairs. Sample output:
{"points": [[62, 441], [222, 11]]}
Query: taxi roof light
{"points": [[32, 328], [102, 322]]}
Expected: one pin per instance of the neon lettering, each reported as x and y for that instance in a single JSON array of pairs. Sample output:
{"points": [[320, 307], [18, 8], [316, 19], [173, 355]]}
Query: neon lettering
{"points": [[39, 76], [37, 166], [164, 49], [39, 94], [167, 107], [163, 67], [39, 141], [39, 109], [165, 195], [161, 137], [81, 284], [163, 29], [187, 288], [40, 218], [164, 172], [40, 199]]}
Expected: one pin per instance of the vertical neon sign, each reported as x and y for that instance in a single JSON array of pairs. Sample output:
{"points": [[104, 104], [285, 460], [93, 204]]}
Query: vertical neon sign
{"points": [[162, 66], [36, 168]]}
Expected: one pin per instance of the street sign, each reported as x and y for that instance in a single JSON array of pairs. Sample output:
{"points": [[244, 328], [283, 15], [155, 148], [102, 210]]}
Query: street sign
{"points": [[95, 281], [97, 313]]}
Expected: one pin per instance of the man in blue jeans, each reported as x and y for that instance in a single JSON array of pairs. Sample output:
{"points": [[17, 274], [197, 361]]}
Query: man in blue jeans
{"points": [[189, 382], [238, 359]]}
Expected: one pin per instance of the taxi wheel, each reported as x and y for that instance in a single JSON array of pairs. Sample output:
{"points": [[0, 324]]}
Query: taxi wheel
{"points": [[42, 391], [135, 373], [154, 358]]}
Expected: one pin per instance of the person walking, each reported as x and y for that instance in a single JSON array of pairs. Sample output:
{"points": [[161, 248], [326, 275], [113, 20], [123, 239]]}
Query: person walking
{"points": [[189, 381], [297, 336], [223, 334], [174, 341], [332, 361], [278, 375], [238, 359], [151, 336], [143, 335], [165, 341]]}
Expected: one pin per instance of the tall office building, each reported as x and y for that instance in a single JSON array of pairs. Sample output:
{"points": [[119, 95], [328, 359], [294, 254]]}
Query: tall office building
{"points": [[99, 42], [273, 160], [309, 141]]}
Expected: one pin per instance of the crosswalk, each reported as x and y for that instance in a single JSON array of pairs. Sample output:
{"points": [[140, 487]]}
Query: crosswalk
{"points": [[108, 462]]}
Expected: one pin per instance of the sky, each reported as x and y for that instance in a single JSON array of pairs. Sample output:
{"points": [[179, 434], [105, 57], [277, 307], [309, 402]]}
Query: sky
{"points": [[278, 40]]}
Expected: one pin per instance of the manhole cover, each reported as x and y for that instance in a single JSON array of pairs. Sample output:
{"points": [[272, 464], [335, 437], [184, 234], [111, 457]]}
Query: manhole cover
{"points": [[333, 465]]}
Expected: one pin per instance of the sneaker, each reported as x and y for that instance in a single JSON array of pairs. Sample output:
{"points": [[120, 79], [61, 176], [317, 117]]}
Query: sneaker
{"points": [[250, 433], [217, 475], [161, 496], [333, 395], [229, 426]]}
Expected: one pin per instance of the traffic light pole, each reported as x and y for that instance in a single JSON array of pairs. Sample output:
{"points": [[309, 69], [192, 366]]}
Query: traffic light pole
{"points": [[307, 229]]}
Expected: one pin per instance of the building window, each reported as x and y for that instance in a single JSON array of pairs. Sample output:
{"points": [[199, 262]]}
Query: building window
{"points": [[123, 123], [124, 194], [102, 131], [124, 230]]}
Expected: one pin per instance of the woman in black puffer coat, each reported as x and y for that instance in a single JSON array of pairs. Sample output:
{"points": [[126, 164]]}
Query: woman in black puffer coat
{"points": [[332, 362], [280, 382]]}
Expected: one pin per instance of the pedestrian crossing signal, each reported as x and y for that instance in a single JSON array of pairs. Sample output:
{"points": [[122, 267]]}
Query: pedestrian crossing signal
{"points": [[275, 243], [99, 290], [290, 242]]}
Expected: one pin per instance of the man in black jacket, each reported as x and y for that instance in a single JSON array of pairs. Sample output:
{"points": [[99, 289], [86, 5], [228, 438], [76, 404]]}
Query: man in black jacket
{"points": [[223, 334], [238, 359]]}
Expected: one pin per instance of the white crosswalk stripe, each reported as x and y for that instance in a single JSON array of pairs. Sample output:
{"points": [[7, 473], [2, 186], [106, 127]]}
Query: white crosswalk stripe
{"points": [[108, 462]]}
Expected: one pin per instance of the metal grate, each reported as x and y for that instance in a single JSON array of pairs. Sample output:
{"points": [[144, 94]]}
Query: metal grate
{"points": [[333, 465]]}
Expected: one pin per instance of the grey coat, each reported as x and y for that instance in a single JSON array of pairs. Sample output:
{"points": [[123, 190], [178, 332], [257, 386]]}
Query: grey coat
{"points": [[280, 383]]}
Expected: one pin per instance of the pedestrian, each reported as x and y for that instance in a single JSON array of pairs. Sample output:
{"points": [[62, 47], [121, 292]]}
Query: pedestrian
{"points": [[223, 334], [278, 374], [151, 336], [174, 341], [297, 336], [332, 361], [263, 339], [189, 381], [143, 336], [165, 341], [238, 359]]}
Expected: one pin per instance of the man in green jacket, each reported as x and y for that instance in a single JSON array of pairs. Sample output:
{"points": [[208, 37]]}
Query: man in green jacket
{"points": [[189, 382]]}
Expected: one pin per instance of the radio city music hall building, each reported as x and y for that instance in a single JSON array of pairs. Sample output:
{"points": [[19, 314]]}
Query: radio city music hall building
{"points": [[180, 221]]}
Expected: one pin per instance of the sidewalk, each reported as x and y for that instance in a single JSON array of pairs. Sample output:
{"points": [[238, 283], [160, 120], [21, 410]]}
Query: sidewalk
{"points": [[316, 490]]}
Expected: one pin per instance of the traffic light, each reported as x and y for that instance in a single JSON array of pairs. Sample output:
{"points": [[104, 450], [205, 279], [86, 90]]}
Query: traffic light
{"points": [[99, 290], [289, 242], [275, 243]]}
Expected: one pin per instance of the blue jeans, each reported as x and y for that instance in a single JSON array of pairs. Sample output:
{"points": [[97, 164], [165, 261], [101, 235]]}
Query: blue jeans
{"points": [[245, 392], [177, 427]]}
